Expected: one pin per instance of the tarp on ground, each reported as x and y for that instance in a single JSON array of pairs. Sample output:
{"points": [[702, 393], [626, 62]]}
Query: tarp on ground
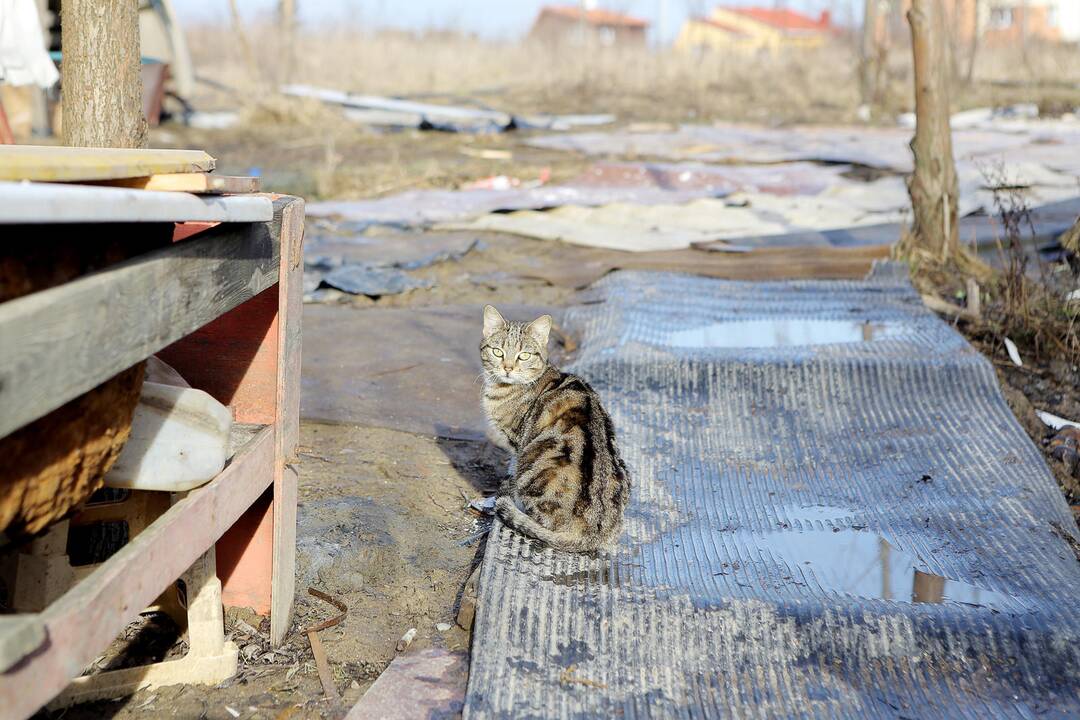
{"points": [[649, 228], [600, 184], [834, 514], [882, 148]]}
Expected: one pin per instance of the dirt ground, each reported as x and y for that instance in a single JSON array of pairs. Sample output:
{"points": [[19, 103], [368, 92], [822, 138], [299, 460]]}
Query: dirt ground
{"points": [[383, 520], [382, 527]]}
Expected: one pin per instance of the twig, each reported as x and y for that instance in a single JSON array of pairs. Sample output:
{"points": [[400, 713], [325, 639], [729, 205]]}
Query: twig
{"points": [[943, 306], [437, 504], [567, 677]]}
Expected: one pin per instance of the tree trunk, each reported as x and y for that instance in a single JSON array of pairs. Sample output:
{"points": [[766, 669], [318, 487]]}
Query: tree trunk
{"points": [[973, 50], [868, 54], [933, 186], [101, 78], [287, 31], [242, 40]]}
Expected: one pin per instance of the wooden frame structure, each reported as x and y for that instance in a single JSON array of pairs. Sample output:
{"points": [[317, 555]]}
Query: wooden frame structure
{"points": [[223, 308]]}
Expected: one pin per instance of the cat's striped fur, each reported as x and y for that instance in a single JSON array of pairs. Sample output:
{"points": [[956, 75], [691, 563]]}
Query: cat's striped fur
{"points": [[570, 486]]}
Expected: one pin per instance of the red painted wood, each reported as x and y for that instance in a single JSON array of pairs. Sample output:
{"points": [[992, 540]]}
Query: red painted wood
{"points": [[235, 358], [186, 230], [245, 558]]}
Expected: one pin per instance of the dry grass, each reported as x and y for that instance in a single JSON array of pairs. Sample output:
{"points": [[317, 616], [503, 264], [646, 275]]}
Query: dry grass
{"points": [[640, 84], [1022, 297]]}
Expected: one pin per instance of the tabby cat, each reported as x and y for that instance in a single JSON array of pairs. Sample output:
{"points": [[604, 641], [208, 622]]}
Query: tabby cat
{"points": [[568, 486]]}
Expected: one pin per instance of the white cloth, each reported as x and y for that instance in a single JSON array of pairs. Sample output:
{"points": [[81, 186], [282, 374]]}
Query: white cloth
{"points": [[24, 57]]}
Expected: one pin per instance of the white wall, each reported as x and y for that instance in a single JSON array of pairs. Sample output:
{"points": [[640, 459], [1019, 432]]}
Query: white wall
{"points": [[1068, 13]]}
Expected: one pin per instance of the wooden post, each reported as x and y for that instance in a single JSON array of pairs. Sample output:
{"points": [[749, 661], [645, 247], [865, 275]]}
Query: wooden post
{"points": [[933, 187], [100, 74]]}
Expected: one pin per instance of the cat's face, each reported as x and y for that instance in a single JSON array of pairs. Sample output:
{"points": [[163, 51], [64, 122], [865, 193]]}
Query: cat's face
{"points": [[513, 352]]}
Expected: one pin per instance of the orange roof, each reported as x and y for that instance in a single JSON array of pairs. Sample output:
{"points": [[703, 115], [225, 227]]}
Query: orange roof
{"points": [[595, 17], [719, 25], [784, 19]]}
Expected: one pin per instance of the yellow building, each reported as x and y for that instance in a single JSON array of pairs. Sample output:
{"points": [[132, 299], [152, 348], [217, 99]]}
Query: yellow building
{"points": [[755, 28]]}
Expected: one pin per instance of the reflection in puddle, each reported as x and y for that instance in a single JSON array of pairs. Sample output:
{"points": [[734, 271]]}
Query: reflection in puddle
{"points": [[780, 332], [863, 564]]}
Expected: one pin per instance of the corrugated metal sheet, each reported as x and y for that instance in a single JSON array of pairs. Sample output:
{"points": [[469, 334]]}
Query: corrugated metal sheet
{"points": [[798, 510]]}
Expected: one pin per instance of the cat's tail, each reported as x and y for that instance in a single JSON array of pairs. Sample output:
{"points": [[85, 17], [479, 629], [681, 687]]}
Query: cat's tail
{"points": [[514, 517]]}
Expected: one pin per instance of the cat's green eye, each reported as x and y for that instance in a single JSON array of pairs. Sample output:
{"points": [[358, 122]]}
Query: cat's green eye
{"points": [[496, 352], [524, 356]]}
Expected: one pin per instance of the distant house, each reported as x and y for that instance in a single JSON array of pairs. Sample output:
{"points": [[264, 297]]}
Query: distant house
{"points": [[1001, 23], [566, 24], [756, 28]]}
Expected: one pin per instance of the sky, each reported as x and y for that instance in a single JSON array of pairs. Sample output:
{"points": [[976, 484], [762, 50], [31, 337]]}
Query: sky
{"points": [[494, 19]]}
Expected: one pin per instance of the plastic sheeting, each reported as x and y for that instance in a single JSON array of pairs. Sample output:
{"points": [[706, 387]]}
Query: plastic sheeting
{"points": [[646, 228], [883, 148], [835, 514]]}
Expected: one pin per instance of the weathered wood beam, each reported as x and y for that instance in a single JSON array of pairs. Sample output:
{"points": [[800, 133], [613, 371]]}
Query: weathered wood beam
{"points": [[61, 342]]}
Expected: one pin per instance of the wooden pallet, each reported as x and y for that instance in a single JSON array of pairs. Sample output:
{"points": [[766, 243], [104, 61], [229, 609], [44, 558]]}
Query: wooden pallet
{"points": [[223, 308]]}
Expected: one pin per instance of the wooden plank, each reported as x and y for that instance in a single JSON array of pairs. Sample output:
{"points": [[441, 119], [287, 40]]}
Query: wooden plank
{"points": [[283, 571], [58, 343], [51, 203], [198, 183], [53, 164], [290, 311], [89, 616]]}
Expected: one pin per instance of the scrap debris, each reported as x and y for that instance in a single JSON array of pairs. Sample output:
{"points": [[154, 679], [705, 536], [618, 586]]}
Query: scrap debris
{"points": [[1014, 353], [1065, 446], [322, 663], [406, 640], [401, 113]]}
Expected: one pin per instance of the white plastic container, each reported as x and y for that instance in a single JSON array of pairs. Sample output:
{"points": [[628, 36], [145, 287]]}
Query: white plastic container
{"points": [[179, 441]]}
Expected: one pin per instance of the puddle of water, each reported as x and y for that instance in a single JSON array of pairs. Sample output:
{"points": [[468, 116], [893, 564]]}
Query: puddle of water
{"points": [[780, 332], [865, 565]]}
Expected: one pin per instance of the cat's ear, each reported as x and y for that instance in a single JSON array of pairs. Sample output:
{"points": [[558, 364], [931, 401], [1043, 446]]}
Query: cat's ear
{"points": [[539, 329], [493, 320]]}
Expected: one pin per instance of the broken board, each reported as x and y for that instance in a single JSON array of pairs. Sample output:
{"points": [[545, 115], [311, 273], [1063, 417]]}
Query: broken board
{"points": [[69, 164], [198, 183]]}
